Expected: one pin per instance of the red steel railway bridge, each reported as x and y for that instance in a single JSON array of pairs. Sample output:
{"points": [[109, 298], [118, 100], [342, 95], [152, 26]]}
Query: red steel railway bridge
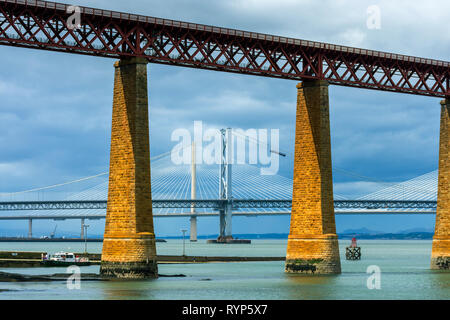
{"points": [[135, 40]]}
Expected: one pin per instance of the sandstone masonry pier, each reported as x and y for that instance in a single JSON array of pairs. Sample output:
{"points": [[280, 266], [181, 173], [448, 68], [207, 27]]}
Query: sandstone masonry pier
{"points": [[313, 244], [129, 249]]}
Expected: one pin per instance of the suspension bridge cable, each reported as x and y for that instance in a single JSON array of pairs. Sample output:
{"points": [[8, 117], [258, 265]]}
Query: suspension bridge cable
{"points": [[158, 157], [265, 143], [362, 177], [55, 185]]}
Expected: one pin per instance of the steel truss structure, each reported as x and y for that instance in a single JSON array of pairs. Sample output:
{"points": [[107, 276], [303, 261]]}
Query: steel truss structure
{"points": [[44, 25], [217, 204]]}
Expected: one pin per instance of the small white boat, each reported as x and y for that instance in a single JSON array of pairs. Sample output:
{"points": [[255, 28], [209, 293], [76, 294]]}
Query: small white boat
{"points": [[65, 259]]}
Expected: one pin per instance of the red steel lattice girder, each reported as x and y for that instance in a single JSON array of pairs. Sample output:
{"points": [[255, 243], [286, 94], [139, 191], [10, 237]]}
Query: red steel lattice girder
{"points": [[43, 25]]}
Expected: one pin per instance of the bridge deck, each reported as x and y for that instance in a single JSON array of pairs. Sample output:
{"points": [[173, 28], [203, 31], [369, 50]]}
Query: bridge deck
{"points": [[43, 25]]}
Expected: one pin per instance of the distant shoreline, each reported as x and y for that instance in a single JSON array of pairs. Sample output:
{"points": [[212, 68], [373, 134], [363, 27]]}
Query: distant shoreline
{"points": [[344, 236], [13, 239], [390, 236], [267, 236]]}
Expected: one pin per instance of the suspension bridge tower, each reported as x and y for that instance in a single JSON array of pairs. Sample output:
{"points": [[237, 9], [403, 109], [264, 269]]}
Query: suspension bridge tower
{"points": [[225, 186], [225, 190]]}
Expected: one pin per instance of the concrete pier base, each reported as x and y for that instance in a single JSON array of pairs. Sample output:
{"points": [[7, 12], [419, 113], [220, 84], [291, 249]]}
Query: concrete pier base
{"points": [[230, 240], [30, 228], [193, 229], [82, 229]]}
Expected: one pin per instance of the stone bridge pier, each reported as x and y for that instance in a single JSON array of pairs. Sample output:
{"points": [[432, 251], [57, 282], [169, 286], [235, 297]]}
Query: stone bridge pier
{"points": [[440, 255], [129, 249], [312, 244]]}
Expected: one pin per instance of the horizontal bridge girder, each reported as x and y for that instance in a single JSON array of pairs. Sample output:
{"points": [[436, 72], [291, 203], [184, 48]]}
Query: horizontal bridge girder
{"points": [[101, 204], [43, 25], [216, 204], [99, 216]]}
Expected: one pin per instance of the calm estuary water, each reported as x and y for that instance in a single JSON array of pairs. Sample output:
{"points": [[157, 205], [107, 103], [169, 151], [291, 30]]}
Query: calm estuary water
{"points": [[404, 268]]}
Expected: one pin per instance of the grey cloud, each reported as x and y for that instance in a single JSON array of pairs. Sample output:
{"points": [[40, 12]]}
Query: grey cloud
{"points": [[55, 109]]}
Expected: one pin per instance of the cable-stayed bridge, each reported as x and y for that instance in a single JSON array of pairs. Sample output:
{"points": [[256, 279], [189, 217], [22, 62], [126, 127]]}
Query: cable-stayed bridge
{"points": [[183, 187], [253, 194]]}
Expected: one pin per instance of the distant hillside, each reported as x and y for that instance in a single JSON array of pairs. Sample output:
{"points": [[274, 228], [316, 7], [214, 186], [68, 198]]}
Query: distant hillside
{"points": [[374, 236], [361, 231], [390, 236], [429, 230]]}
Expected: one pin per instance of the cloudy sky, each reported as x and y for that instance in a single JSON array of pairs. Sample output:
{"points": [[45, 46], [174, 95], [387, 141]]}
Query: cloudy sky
{"points": [[55, 109]]}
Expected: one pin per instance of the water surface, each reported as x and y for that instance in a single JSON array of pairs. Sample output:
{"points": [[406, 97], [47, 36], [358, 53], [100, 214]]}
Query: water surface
{"points": [[404, 266]]}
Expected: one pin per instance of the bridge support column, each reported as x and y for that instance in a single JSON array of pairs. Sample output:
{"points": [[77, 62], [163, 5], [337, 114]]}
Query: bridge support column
{"points": [[129, 249], [82, 229], [313, 244], [193, 229], [440, 256], [222, 224], [225, 186], [228, 222], [30, 228]]}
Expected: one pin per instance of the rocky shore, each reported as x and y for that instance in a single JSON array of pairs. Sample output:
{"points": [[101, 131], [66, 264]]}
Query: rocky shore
{"points": [[16, 277]]}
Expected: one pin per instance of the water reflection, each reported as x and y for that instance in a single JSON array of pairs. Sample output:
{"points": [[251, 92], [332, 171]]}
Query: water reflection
{"points": [[404, 265], [305, 287], [441, 279], [125, 289]]}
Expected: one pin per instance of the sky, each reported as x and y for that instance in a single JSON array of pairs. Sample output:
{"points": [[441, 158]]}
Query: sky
{"points": [[55, 109]]}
